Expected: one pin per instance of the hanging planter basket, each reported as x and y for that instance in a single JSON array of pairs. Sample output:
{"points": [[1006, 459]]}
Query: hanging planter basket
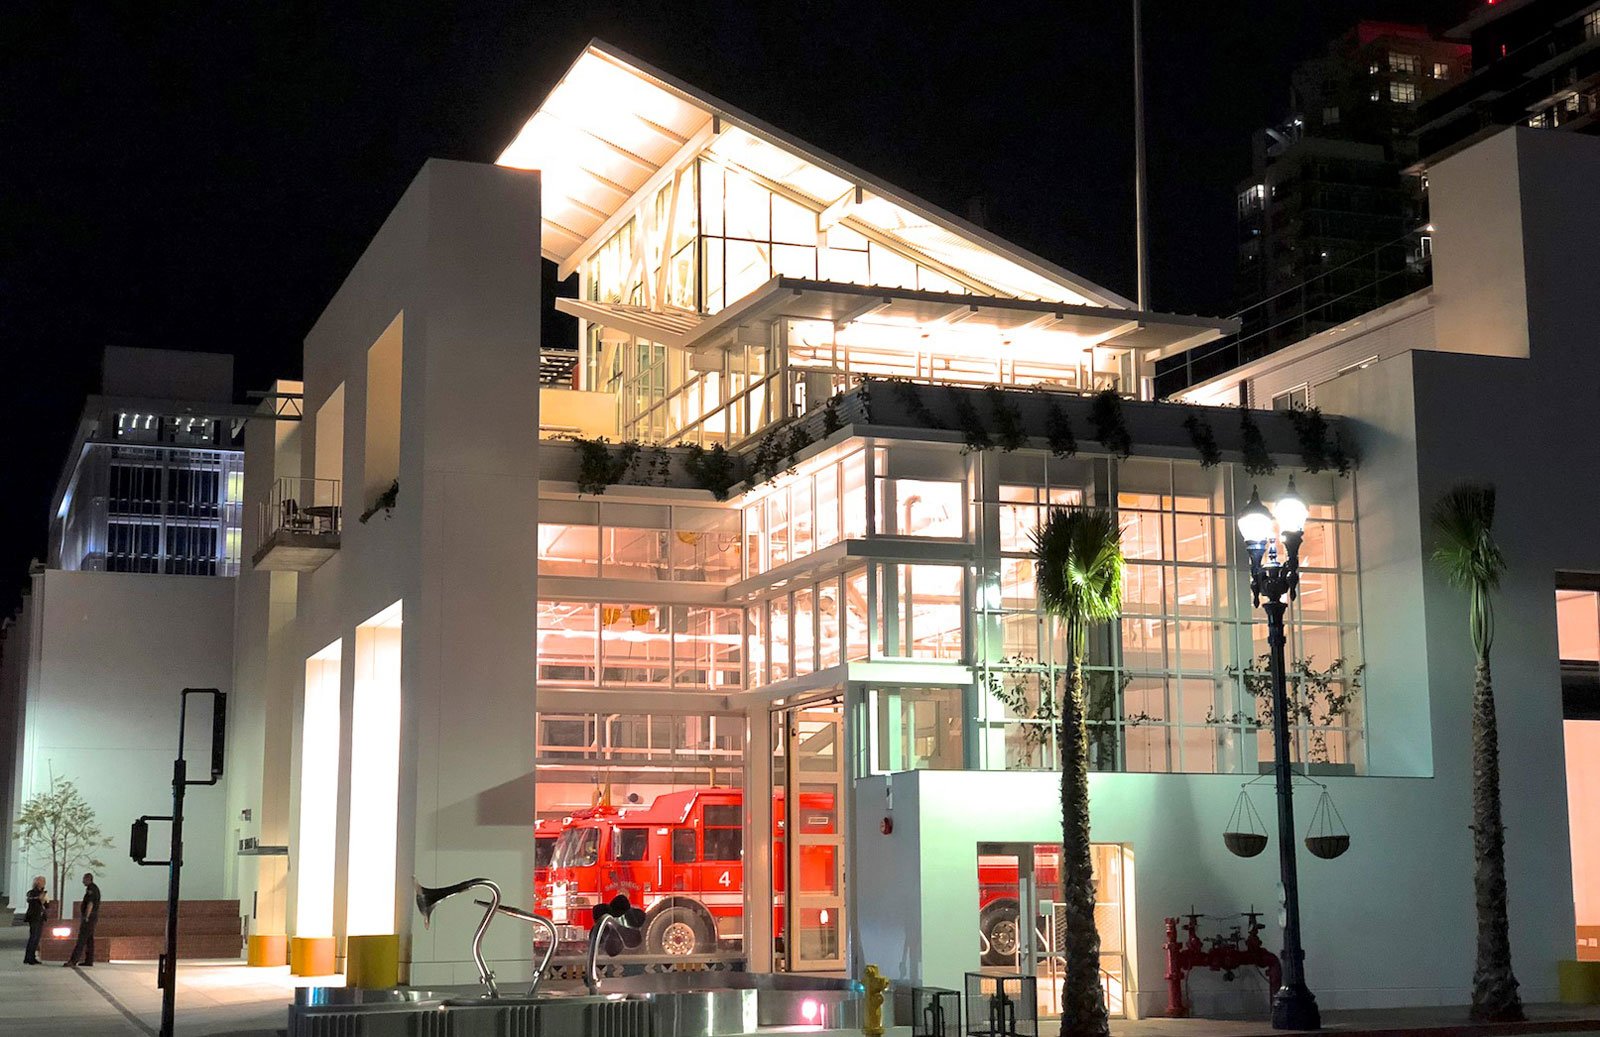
{"points": [[1246, 834], [1326, 836]]}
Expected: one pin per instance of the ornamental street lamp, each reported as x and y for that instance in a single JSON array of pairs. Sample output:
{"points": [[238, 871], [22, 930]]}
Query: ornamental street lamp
{"points": [[1273, 581]]}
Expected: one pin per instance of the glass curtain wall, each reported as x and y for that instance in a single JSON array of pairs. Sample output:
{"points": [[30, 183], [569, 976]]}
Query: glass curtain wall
{"points": [[1179, 684]]}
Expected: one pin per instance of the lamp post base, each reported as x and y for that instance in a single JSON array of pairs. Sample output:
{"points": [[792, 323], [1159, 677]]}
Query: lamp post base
{"points": [[1295, 1008]]}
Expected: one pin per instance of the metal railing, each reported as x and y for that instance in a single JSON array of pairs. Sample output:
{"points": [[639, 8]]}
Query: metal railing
{"points": [[304, 506]]}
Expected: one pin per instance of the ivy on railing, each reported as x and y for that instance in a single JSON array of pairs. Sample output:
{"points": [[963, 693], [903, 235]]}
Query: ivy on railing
{"points": [[1204, 440], [1322, 446], [1110, 427], [715, 469], [599, 467], [1257, 458]]}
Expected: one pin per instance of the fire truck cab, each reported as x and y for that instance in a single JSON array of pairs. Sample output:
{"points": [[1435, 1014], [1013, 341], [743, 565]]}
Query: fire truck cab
{"points": [[681, 858]]}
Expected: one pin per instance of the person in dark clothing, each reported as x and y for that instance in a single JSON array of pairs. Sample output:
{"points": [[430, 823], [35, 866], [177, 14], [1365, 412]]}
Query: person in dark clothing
{"points": [[88, 915], [38, 908]]}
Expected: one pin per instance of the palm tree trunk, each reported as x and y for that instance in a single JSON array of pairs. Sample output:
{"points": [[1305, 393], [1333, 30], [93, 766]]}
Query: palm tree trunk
{"points": [[1083, 1006], [1494, 987]]}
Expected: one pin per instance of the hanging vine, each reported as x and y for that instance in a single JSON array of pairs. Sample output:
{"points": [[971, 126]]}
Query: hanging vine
{"points": [[1322, 445], [1204, 440], [1257, 458], [831, 422], [599, 467], [1110, 427], [1058, 431], [974, 435], [384, 502], [715, 469], [766, 460], [660, 466], [864, 391], [1007, 420], [911, 395]]}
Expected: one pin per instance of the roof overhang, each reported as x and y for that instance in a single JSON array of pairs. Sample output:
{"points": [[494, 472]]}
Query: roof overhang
{"points": [[1155, 334], [614, 127]]}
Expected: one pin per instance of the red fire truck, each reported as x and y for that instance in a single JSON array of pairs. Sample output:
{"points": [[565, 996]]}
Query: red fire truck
{"points": [[681, 858], [999, 906]]}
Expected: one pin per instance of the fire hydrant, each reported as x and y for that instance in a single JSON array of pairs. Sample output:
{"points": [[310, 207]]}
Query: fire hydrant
{"points": [[876, 986]]}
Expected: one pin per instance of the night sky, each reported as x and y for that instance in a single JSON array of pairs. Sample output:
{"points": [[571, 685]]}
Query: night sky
{"points": [[202, 175]]}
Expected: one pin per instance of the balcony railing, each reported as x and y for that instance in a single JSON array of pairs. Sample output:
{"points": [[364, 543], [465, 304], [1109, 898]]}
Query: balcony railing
{"points": [[298, 525]]}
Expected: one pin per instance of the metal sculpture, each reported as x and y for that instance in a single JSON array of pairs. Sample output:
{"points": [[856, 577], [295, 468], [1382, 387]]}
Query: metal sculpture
{"points": [[428, 897], [617, 924], [538, 921]]}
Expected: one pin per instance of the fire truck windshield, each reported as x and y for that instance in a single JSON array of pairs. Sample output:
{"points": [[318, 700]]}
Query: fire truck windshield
{"points": [[577, 848], [544, 850]]}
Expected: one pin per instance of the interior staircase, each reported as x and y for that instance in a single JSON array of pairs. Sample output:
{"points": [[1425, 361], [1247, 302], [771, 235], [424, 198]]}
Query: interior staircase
{"points": [[135, 930]]}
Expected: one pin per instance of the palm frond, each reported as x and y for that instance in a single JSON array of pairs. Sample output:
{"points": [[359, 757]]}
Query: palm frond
{"points": [[1464, 547], [1079, 554]]}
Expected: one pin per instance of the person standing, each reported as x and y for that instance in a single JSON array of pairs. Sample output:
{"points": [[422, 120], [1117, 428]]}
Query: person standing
{"points": [[38, 908], [88, 915]]}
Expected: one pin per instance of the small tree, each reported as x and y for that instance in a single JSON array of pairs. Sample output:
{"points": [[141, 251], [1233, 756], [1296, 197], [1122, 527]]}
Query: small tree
{"points": [[60, 825]]}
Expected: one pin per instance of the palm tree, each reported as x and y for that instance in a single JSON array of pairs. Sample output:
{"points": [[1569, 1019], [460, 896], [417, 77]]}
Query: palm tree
{"points": [[1465, 550], [1080, 566]]}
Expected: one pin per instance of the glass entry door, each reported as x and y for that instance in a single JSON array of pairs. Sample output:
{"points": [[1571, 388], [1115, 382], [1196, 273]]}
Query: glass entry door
{"points": [[1022, 924], [808, 793]]}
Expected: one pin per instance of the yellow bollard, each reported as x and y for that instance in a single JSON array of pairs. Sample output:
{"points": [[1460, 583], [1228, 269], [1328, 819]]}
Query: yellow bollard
{"points": [[372, 961], [876, 986], [266, 951], [311, 956]]}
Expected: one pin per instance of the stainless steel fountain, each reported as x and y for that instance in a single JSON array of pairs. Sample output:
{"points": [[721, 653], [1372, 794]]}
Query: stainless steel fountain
{"points": [[672, 1004]]}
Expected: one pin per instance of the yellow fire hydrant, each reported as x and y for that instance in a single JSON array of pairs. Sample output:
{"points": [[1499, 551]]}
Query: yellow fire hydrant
{"points": [[876, 986]]}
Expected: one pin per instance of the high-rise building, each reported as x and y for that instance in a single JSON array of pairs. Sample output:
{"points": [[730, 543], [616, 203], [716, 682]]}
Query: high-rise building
{"points": [[1327, 222], [154, 480], [1535, 63]]}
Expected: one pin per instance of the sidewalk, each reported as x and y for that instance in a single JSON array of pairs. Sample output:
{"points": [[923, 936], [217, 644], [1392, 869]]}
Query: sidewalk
{"points": [[121, 1000], [1382, 1022], [227, 999]]}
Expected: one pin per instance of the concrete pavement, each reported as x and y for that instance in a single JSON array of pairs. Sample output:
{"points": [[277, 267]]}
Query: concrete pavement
{"points": [[120, 999]]}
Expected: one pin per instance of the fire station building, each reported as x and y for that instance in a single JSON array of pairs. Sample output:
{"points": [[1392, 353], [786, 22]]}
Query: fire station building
{"points": [[495, 626]]}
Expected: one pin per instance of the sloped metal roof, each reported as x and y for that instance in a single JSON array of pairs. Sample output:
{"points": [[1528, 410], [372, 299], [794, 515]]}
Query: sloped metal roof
{"points": [[613, 123]]}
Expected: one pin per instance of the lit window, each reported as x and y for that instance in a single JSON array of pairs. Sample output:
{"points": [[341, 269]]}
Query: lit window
{"points": [[1402, 93], [1441, 70], [920, 609], [1174, 685], [1406, 63], [1591, 25], [1372, 69]]}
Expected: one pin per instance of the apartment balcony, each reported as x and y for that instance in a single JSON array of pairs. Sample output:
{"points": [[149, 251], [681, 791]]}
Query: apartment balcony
{"points": [[298, 525]]}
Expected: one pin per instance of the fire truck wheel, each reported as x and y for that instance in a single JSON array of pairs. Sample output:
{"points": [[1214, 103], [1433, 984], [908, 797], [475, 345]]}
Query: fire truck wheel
{"points": [[677, 931], [999, 927]]}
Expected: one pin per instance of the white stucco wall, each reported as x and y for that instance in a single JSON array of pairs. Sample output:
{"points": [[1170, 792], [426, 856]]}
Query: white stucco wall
{"points": [[458, 261], [114, 652]]}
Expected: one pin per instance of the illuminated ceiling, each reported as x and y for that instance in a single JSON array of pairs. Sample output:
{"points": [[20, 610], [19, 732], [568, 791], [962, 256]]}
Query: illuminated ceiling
{"points": [[614, 126], [1156, 335]]}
